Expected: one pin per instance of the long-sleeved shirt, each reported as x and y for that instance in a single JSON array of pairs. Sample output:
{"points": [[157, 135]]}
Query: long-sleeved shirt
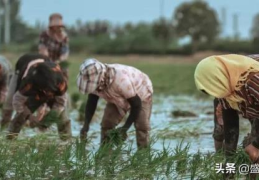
{"points": [[57, 50], [35, 83], [128, 83], [250, 93]]}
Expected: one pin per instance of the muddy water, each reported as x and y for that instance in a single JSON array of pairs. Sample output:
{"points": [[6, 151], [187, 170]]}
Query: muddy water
{"points": [[194, 130], [167, 130]]}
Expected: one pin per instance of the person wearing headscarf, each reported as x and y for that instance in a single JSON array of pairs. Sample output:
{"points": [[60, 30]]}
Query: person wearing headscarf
{"points": [[233, 80], [125, 89], [218, 133], [37, 81]]}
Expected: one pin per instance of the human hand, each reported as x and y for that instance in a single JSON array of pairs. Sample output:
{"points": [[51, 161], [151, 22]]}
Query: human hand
{"points": [[83, 134], [33, 121], [122, 133], [253, 153]]}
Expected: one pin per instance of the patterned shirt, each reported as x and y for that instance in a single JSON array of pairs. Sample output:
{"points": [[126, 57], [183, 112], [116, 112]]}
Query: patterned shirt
{"points": [[29, 88], [55, 47], [128, 82], [27, 78], [250, 93]]}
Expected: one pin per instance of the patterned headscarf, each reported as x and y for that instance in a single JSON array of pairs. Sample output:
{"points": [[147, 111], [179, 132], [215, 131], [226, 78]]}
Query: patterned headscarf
{"points": [[94, 75]]}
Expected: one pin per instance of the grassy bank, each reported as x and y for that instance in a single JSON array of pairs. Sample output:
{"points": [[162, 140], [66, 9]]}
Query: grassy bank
{"points": [[166, 78], [169, 74]]}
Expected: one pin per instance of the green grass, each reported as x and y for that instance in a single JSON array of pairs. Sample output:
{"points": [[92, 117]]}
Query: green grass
{"points": [[46, 158], [170, 78], [40, 158], [167, 77]]}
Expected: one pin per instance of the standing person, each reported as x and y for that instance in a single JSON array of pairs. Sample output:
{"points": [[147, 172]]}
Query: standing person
{"points": [[54, 41], [125, 89], [233, 80], [37, 80]]}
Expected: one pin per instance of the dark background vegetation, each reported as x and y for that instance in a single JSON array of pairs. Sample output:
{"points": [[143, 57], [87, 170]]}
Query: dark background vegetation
{"points": [[195, 20]]}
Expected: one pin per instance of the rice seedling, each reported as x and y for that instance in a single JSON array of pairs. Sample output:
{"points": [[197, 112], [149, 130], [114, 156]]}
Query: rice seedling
{"points": [[42, 158]]}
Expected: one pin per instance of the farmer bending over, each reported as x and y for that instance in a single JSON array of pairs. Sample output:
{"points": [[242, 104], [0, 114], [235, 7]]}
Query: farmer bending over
{"points": [[125, 89], [233, 79], [37, 80], [54, 43], [218, 133]]}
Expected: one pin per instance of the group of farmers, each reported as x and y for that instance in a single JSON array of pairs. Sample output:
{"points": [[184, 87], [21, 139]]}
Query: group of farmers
{"points": [[37, 91], [38, 87]]}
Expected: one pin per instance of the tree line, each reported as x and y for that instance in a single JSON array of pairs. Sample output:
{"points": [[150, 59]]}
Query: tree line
{"points": [[193, 20]]}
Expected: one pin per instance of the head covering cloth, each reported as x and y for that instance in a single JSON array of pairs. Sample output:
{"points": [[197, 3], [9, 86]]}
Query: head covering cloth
{"points": [[222, 76], [94, 75]]}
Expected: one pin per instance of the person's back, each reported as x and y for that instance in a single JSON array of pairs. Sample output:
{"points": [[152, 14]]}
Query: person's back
{"points": [[37, 81], [233, 80], [125, 89]]}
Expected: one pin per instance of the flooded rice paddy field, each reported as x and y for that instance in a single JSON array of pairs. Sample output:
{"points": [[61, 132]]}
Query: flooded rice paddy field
{"points": [[174, 119], [182, 148]]}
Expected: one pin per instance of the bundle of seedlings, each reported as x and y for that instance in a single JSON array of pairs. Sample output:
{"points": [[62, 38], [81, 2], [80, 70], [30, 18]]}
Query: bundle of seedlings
{"points": [[50, 118]]}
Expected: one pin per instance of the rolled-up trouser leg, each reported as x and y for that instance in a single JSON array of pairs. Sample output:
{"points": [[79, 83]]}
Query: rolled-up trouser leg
{"points": [[142, 125], [111, 119], [16, 125], [64, 126], [218, 133], [24, 107]]}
